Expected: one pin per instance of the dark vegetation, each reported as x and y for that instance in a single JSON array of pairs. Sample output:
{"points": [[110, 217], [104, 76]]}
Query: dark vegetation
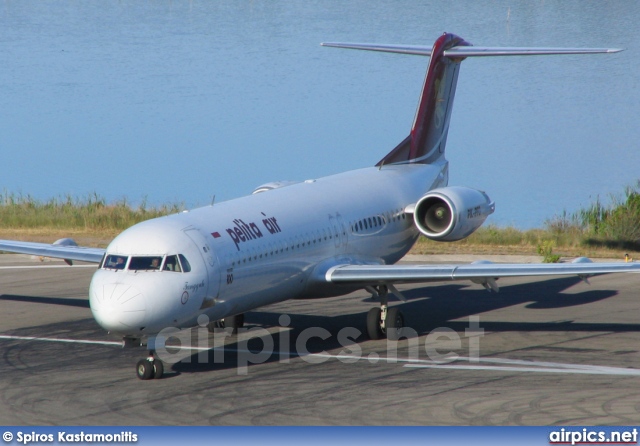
{"points": [[600, 230]]}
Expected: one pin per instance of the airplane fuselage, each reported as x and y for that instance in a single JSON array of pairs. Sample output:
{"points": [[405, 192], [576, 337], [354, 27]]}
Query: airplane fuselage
{"points": [[260, 249]]}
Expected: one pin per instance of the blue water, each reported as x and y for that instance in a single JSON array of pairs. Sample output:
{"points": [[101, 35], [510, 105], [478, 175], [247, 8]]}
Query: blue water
{"points": [[177, 101]]}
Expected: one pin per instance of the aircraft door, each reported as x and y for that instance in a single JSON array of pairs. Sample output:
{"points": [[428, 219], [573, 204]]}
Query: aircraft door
{"points": [[344, 234], [338, 231], [211, 262]]}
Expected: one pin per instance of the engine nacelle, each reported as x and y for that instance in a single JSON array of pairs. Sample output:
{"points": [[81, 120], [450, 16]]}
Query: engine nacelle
{"points": [[448, 214]]}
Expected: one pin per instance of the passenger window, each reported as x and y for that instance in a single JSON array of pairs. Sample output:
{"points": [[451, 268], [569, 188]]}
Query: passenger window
{"points": [[146, 263], [186, 267], [172, 264], [115, 262]]}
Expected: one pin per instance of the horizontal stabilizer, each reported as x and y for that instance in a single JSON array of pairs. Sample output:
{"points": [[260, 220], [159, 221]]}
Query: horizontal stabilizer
{"points": [[415, 50], [479, 51], [469, 51]]}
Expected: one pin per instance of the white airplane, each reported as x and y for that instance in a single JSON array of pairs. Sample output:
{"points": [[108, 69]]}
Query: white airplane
{"points": [[309, 239]]}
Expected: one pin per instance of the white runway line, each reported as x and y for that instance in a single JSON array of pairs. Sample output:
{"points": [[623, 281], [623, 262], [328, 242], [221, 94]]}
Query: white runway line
{"points": [[510, 365], [69, 341], [580, 371], [46, 266], [527, 363]]}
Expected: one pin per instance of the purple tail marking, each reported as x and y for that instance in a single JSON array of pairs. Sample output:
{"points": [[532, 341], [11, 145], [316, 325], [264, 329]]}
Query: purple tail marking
{"points": [[428, 137]]}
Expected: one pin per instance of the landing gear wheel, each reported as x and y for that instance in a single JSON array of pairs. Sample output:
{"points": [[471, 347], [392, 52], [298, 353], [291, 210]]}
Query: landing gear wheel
{"points": [[158, 369], [232, 322], [214, 326], [149, 367], [144, 369], [394, 323], [240, 320], [384, 321], [374, 329]]}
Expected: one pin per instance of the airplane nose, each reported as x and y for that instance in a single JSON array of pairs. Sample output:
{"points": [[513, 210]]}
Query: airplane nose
{"points": [[117, 307]]}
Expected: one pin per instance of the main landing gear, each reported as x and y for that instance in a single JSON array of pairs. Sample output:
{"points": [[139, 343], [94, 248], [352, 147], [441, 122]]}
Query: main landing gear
{"points": [[384, 321], [150, 367], [232, 322]]}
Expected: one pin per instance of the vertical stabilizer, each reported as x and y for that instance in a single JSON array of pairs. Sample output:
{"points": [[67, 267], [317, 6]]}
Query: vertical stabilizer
{"points": [[428, 137]]}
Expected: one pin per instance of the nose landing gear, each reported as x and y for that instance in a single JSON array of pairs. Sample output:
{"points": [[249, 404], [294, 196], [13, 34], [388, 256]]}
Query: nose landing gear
{"points": [[150, 367], [384, 321]]}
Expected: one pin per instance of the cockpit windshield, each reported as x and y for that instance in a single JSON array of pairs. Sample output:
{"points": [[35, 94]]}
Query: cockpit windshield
{"points": [[171, 264], [186, 267], [115, 262], [176, 263], [146, 263]]}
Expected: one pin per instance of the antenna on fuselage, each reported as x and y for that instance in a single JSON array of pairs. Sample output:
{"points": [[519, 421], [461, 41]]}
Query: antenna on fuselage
{"points": [[213, 200]]}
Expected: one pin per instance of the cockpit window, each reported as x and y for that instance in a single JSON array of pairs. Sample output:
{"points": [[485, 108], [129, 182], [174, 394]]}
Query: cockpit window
{"points": [[186, 267], [115, 262], [147, 263], [172, 264], [175, 263]]}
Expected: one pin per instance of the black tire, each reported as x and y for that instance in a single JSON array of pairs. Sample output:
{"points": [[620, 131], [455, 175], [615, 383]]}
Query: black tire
{"points": [[212, 327], [144, 369], [240, 320], [158, 369], [394, 323], [233, 323], [374, 331]]}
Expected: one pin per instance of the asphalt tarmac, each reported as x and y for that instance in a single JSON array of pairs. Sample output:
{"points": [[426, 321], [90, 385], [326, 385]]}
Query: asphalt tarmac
{"points": [[540, 352]]}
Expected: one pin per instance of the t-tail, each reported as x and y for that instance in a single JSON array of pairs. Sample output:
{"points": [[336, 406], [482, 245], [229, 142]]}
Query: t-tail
{"points": [[428, 138]]}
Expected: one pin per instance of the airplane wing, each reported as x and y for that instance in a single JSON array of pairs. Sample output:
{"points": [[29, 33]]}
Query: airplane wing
{"points": [[65, 249], [482, 272]]}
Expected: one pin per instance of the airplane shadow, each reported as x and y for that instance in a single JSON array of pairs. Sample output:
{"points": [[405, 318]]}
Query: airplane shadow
{"points": [[427, 308]]}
